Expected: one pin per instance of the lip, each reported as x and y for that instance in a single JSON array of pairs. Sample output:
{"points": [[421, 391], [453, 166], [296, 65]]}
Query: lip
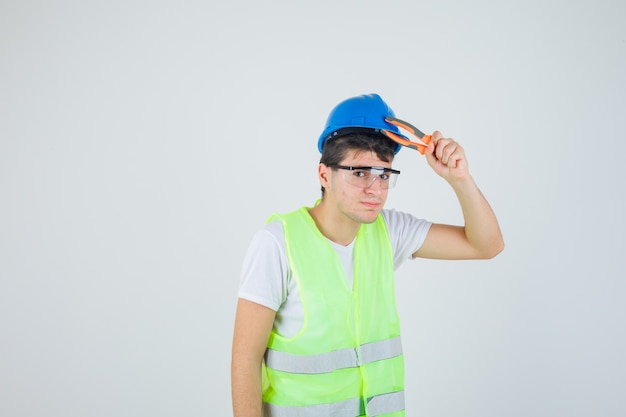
{"points": [[371, 204]]}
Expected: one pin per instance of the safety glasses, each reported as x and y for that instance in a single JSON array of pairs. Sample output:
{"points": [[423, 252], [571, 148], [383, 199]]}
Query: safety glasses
{"points": [[364, 177]]}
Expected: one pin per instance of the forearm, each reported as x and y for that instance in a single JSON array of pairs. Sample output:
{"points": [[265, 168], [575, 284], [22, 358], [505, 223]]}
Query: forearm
{"points": [[246, 388], [481, 225]]}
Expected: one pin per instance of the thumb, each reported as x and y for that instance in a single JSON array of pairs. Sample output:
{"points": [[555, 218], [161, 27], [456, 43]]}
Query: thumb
{"points": [[430, 154]]}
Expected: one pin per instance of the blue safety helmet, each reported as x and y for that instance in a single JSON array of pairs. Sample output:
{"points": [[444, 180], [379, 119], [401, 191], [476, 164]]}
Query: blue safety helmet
{"points": [[361, 113]]}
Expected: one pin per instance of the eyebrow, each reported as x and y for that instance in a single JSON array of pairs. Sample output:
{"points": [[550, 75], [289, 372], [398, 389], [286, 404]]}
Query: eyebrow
{"points": [[353, 168]]}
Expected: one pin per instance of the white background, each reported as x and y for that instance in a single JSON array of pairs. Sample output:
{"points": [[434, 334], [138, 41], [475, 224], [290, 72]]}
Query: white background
{"points": [[143, 143]]}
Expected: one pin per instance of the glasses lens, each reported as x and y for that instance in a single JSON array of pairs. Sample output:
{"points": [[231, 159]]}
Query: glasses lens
{"points": [[366, 177]]}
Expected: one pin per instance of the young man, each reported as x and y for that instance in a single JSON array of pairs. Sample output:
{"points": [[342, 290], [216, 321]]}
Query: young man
{"points": [[316, 332]]}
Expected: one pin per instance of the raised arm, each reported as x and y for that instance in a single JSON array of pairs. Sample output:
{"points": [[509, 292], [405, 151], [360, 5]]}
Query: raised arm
{"points": [[253, 324], [480, 237]]}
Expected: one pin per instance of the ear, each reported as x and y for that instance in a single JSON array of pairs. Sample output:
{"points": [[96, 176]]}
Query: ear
{"points": [[323, 173]]}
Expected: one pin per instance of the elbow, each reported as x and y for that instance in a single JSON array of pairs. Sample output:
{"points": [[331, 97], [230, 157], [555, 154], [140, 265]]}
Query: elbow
{"points": [[489, 249], [494, 249]]}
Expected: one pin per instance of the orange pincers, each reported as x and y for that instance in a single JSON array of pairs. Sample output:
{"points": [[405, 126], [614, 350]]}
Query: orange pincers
{"points": [[421, 148]]}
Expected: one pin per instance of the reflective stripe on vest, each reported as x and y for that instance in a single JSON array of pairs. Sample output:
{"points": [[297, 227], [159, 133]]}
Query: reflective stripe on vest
{"points": [[385, 403], [354, 407], [331, 361]]}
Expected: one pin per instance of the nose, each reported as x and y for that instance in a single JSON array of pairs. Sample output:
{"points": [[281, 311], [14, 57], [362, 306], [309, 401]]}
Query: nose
{"points": [[372, 186]]}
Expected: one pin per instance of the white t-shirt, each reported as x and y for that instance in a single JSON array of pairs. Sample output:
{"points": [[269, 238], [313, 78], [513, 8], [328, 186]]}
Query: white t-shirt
{"points": [[266, 276]]}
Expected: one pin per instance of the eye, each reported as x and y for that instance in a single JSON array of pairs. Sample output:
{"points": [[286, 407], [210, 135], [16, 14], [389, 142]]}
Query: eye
{"points": [[384, 177], [361, 174]]}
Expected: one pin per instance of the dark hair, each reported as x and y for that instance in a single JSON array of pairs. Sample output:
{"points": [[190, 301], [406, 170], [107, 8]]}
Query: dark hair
{"points": [[336, 148]]}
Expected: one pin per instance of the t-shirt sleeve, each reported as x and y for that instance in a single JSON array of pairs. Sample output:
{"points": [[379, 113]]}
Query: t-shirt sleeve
{"points": [[264, 274], [406, 232]]}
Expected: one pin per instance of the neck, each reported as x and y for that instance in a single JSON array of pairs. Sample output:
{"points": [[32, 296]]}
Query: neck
{"points": [[334, 226]]}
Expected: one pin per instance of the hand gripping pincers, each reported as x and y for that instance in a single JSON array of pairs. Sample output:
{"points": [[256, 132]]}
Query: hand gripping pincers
{"points": [[421, 148]]}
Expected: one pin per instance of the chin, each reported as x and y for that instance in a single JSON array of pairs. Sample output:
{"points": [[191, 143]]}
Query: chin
{"points": [[368, 218]]}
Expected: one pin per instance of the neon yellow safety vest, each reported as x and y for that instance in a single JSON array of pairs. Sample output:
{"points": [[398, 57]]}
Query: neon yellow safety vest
{"points": [[347, 360]]}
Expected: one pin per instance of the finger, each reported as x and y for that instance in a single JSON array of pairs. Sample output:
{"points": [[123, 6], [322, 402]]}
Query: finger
{"points": [[451, 161], [448, 150], [444, 149], [457, 157], [430, 150], [435, 137]]}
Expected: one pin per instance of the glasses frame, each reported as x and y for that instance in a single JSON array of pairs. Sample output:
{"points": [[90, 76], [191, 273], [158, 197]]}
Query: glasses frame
{"points": [[363, 168]]}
